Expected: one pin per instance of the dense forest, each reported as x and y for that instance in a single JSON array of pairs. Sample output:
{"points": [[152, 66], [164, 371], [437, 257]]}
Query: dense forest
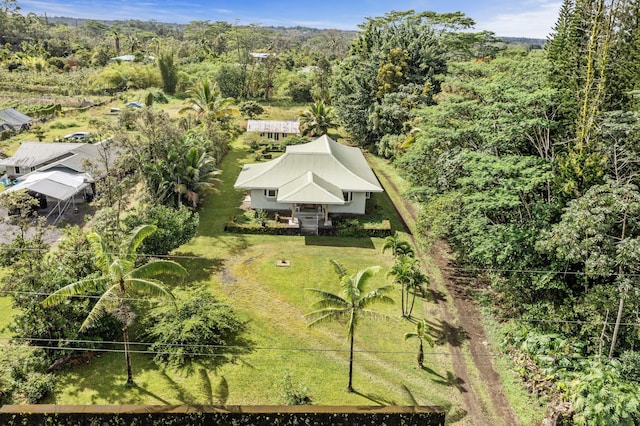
{"points": [[524, 159]]}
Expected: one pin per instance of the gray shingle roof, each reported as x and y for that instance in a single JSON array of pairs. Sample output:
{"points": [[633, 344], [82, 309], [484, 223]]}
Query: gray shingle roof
{"points": [[32, 154], [14, 119]]}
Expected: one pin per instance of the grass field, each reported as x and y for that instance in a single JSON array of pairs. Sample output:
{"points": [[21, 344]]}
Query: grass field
{"points": [[241, 269]]}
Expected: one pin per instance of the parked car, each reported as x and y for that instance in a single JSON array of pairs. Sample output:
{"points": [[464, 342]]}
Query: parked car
{"points": [[78, 135]]}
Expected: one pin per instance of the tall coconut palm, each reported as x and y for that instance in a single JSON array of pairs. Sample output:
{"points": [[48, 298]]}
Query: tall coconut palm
{"points": [[119, 281], [206, 101], [317, 120], [351, 307], [422, 336]]}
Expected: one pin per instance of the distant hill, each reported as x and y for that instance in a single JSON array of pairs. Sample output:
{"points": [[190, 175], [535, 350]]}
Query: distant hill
{"points": [[524, 41]]}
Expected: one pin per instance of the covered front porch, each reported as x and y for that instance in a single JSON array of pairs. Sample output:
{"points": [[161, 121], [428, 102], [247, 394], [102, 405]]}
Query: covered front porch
{"points": [[311, 217]]}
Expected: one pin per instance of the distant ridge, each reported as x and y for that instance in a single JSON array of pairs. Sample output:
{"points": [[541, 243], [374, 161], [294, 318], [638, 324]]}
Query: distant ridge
{"points": [[524, 40], [81, 21]]}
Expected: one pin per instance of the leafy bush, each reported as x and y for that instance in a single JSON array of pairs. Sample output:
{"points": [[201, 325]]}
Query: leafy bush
{"points": [[159, 97], [295, 140], [64, 124], [251, 109], [294, 393], [37, 386], [121, 76], [349, 228], [299, 89], [197, 319], [22, 375], [175, 227]]}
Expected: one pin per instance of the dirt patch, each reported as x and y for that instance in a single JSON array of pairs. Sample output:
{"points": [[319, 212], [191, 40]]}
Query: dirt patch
{"points": [[467, 318]]}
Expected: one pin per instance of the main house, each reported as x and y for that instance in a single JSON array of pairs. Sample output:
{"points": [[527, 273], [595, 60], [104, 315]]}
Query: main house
{"points": [[321, 176]]}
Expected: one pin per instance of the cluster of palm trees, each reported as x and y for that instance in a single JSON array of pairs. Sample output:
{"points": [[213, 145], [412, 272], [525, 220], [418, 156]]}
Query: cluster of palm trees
{"points": [[406, 272]]}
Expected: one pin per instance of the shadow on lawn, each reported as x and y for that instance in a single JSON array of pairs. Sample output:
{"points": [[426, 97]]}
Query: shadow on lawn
{"points": [[199, 268], [449, 380], [377, 399], [339, 242]]}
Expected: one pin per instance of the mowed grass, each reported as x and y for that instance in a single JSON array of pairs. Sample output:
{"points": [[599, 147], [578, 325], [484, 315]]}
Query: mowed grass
{"points": [[241, 269]]}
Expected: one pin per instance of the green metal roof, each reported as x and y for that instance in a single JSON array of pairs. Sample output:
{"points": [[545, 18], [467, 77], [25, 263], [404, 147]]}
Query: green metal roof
{"points": [[310, 188], [340, 166]]}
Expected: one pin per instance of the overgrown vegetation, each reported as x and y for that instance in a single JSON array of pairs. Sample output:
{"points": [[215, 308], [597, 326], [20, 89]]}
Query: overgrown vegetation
{"points": [[524, 160]]}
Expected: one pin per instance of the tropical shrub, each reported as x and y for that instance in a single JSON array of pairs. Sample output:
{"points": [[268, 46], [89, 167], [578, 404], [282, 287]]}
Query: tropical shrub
{"points": [[199, 328], [176, 226]]}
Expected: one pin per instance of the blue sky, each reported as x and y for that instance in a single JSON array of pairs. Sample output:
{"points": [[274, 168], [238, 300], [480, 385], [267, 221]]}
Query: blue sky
{"points": [[524, 18]]}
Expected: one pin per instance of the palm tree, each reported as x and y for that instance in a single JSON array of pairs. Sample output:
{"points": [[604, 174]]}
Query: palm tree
{"points": [[422, 336], [402, 271], [397, 246], [194, 176], [207, 101], [406, 272], [317, 120], [352, 307], [119, 281]]}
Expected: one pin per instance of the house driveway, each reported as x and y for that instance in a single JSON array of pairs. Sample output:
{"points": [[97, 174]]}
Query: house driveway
{"points": [[53, 232]]}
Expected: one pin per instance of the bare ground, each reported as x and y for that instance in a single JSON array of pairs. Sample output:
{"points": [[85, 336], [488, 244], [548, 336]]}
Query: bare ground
{"points": [[469, 327]]}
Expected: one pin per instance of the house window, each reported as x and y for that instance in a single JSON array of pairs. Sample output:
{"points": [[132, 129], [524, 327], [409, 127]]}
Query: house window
{"points": [[367, 195], [17, 170], [270, 193], [348, 196]]}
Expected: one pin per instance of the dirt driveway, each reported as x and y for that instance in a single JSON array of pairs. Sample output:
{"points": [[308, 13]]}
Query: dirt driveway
{"points": [[481, 411]]}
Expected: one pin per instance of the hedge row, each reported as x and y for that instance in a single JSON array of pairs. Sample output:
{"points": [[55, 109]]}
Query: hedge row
{"points": [[426, 418], [256, 228], [343, 229]]}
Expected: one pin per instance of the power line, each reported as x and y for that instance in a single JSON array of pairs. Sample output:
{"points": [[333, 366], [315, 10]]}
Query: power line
{"points": [[516, 319], [250, 348], [446, 268], [257, 348]]}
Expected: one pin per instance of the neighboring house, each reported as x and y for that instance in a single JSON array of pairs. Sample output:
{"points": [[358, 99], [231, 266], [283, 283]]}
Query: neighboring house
{"points": [[131, 58], [33, 155], [91, 158], [59, 171], [274, 129], [322, 177], [11, 119], [259, 55]]}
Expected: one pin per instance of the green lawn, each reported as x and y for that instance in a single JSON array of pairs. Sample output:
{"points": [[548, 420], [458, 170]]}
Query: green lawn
{"points": [[6, 311], [241, 269]]}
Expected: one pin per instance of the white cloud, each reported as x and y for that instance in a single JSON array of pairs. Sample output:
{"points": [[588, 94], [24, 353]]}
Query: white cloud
{"points": [[533, 23]]}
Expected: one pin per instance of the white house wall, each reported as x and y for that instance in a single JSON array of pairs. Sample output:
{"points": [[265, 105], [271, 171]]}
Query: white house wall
{"points": [[356, 206], [259, 201]]}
